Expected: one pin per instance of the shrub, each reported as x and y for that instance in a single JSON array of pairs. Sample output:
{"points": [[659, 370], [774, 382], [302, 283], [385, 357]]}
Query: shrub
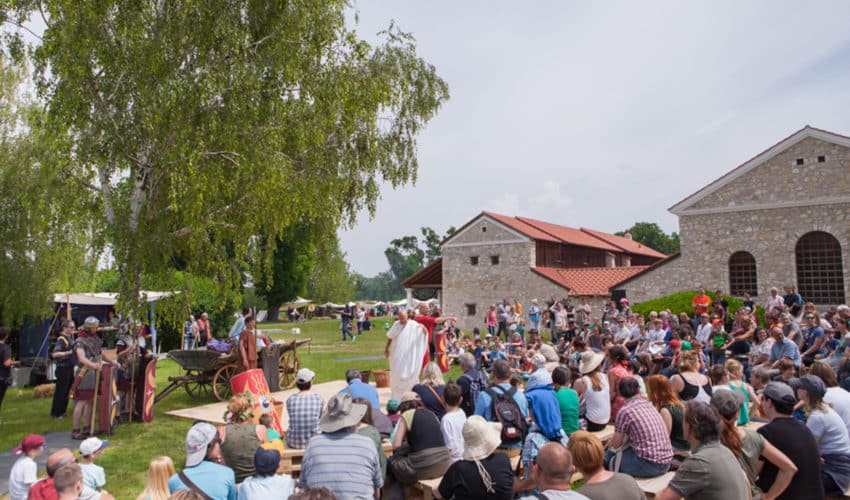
{"points": [[680, 302]]}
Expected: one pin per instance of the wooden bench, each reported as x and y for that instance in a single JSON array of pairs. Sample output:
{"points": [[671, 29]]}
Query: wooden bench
{"points": [[424, 487], [290, 461], [655, 485]]}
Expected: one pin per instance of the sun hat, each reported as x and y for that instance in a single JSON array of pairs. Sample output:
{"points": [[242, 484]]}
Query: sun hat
{"points": [[813, 385], [91, 446], [727, 402], [409, 396], [480, 438], [266, 461], [30, 443], [198, 439], [779, 392], [342, 412], [590, 361], [304, 375]]}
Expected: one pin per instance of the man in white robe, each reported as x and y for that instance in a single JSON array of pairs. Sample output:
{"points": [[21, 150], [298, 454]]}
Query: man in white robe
{"points": [[407, 342]]}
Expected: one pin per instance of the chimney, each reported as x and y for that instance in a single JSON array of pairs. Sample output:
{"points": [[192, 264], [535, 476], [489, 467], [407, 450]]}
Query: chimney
{"points": [[628, 235]]}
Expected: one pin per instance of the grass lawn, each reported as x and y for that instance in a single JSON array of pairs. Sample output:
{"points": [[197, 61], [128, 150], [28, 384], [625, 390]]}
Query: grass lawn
{"points": [[133, 446]]}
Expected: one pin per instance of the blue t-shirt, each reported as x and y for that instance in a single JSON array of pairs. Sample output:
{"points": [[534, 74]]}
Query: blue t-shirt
{"points": [[358, 389], [811, 334], [217, 481], [483, 406], [347, 314]]}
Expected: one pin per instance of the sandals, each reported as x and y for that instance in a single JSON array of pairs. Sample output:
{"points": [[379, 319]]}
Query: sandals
{"points": [[78, 435]]}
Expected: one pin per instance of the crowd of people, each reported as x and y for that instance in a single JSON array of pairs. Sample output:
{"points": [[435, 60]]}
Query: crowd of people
{"points": [[733, 406]]}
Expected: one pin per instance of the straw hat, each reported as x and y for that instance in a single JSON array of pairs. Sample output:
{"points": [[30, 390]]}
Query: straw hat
{"points": [[590, 361], [480, 438]]}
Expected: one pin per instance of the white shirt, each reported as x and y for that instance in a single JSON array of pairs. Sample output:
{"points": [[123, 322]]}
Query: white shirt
{"points": [[703, 333], [23, 475], [452, 427], [839, 400]]}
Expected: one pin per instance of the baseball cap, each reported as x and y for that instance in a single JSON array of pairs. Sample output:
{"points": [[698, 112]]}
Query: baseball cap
{"points": [[813, 385], [304, 375], [91, 446], [198, 439], [779, 392], [30, 443], [266, 461], [675, 343], [727, 402]]}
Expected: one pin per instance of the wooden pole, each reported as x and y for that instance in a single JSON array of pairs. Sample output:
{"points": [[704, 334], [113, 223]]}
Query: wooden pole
{"points": [[94, 397], [68, 306]]}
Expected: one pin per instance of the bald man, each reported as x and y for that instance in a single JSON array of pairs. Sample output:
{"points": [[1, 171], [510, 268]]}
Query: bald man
{"points": [[553, 471], [45, 489], [407, 343]]}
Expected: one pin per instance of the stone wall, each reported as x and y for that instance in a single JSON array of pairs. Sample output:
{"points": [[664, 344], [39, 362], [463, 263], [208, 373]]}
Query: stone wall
{"points": [[781, 179], [486, 283], [709, 240]]}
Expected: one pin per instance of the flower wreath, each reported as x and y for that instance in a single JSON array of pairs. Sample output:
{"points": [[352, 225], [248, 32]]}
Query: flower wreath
{"points": [[230, 417]]}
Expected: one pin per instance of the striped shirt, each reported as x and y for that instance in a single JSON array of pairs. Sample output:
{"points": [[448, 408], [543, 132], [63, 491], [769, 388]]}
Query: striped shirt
{"points": [[345, 463], [648, 435]]}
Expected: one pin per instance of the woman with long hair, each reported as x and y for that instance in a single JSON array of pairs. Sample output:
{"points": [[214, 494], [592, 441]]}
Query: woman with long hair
{"points": [[736, 382], [588, 458], [830, 433], [593, 391], [156, 486], [689, 383], [432, 389], [670, 407], [618, 361], [748, 446]]}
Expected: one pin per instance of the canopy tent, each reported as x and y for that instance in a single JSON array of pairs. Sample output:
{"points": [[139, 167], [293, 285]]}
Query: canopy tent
{"points": [[35, 333], [298, 302], [331, 305]]}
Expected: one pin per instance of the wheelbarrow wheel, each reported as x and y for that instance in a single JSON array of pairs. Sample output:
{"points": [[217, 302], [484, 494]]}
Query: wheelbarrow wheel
{"points": [[289, 365], [221, 382]]}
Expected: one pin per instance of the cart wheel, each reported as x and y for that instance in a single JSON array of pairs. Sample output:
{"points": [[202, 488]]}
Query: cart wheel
{"points": [[221, 382], [288, 366], [197, 386]]}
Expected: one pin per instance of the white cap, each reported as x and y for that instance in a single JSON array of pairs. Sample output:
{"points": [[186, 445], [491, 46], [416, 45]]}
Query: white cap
{"points": [[304, 375], [91, 446]]}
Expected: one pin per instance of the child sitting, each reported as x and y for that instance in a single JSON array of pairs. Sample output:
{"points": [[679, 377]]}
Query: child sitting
{"points": [[93, 475], [268, 421], [452, 423]]}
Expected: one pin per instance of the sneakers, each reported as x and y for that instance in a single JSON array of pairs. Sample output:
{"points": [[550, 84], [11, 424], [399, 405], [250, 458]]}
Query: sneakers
{"points": [[353, 338]]}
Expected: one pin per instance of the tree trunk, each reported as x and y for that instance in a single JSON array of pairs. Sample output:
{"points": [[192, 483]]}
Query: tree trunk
{"points": [[274, 312]]}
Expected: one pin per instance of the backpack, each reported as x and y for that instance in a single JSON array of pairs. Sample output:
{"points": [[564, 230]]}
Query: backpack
{"points": [[505, 411], [477, 383]]}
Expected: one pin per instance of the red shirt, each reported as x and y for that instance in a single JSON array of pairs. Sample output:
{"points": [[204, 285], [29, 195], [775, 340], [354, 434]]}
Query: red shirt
{"points": [[43, 490], [429, 324], [700, 304]]}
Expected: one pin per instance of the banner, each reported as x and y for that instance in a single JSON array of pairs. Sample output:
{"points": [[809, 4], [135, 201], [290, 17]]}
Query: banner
{"points": [[254, 383]]}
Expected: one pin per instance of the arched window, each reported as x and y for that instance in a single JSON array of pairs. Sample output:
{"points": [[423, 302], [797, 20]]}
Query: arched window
{"points": [[820, 273], [742, 274]]}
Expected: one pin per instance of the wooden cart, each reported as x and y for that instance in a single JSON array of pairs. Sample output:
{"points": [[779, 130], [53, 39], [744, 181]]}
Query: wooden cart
{"points": [[209, 372]]}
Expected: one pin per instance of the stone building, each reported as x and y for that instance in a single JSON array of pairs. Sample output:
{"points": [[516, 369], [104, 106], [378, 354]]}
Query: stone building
{"points": [[782, 217], [496, 256]]}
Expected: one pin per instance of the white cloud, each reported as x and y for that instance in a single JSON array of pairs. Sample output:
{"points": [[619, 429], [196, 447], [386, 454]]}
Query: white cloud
{"points": [[551, 101]]}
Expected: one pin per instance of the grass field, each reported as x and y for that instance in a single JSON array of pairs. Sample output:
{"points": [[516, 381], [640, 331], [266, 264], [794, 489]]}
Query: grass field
{"points": [[133, 446]]}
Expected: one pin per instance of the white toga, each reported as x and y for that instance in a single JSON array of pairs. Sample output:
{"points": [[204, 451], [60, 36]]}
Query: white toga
{"points": [[410, 341]]}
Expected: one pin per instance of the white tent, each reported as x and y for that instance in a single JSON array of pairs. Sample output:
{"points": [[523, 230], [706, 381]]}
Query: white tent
{"points": [[103, 298], [298, 302], [331, 305]]}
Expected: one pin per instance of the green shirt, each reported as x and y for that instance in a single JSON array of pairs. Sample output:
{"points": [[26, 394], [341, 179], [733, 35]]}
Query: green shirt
{"points": [[568, 403], [711, 473]]}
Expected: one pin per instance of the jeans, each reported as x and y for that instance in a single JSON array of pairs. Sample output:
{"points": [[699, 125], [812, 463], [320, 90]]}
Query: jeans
{"points": [[188, 343], [634, 466], [346, 330]]}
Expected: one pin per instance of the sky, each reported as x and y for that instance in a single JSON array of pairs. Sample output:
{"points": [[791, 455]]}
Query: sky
{"points": [[601, 114]]}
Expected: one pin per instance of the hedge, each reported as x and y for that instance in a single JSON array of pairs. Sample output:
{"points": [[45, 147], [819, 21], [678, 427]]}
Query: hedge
{"points": [[680, 302]]}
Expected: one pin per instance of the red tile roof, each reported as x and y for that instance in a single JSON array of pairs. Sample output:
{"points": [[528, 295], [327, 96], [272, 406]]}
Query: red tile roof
{"points": [[588, 280], [570, 235], [517, 224], [430, 276], [556, 233], [625, 244]]}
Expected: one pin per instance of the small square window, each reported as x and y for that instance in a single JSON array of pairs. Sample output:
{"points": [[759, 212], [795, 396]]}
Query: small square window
{"points": [[483, 229], [821, 159], [471, 310], [473, 260], [494, 259], [800, 161]]}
